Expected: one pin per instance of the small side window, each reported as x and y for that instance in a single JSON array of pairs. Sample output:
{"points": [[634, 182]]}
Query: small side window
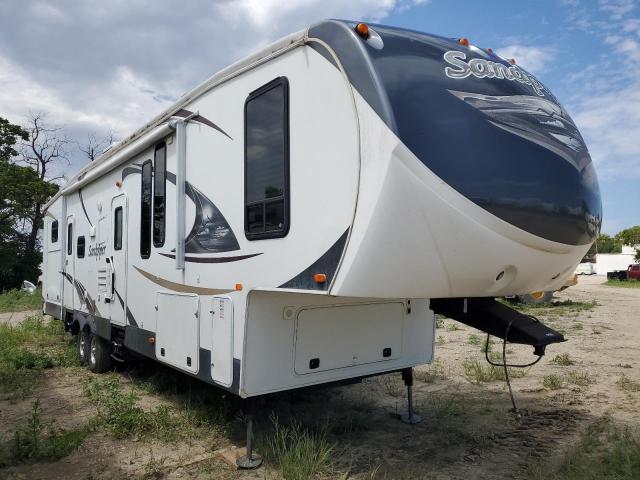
{"points": [[54, 231], [80, 247], [159, 194], [145, 210], [117, 229], [70, 239]]}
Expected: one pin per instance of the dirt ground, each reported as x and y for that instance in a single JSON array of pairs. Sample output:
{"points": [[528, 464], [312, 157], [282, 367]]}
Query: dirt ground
{"points": [[468, 431]]}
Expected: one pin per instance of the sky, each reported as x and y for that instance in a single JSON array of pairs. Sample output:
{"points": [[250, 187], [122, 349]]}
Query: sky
{"points": [[109, 66]]}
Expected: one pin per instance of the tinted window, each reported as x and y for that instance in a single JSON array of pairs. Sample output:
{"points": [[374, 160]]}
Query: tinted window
{"points": [[267, 161], [145, 211], [117, 229], [159, 194], [69, 238], [54, 231], [80, 247]]}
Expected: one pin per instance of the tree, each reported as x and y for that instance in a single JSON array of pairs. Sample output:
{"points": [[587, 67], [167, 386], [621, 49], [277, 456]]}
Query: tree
{"points": [[629, 236], [607, 244], [45, 148], [94, 146]]}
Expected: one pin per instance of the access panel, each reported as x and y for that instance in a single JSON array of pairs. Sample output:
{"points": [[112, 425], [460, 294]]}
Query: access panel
{"points": [[178, 330]]}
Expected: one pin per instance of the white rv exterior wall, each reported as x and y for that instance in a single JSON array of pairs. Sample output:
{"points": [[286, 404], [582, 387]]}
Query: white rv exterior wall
{"points": [[608, 262]]}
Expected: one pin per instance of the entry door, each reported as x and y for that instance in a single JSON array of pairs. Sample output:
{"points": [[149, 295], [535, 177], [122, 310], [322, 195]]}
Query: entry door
{"points": [[69, 264], [119, 235]]}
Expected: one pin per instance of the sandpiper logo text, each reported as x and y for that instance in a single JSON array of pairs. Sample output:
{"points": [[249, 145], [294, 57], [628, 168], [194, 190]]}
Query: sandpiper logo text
{"points": [[481, 68], [97, 250]]}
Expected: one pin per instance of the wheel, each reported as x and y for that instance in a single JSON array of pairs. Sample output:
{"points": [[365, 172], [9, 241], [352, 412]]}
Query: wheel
{"points": [[99, 355], [536, 298], [83, 340]]}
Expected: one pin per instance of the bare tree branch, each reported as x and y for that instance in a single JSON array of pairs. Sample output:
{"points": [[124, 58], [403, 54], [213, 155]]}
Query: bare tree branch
{"points": [[94, 146]]}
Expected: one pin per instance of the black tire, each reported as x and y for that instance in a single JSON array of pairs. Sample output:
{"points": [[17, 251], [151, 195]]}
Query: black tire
{"points": [[83, 341], [99, 355], [536, 298]]}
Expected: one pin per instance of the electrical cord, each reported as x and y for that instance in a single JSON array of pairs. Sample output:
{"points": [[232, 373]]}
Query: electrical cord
{"points": [[506, 365]]}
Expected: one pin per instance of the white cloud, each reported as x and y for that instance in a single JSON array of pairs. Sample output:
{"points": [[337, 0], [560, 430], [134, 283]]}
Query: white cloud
{"points": [[98, 66], [532, 59]]}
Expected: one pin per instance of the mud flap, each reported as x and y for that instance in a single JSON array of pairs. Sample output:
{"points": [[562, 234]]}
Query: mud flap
{"points": [[490, 316]]}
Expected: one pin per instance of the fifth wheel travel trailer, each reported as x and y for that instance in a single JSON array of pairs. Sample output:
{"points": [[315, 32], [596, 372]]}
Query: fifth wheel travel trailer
{"points": [[300, 217]]}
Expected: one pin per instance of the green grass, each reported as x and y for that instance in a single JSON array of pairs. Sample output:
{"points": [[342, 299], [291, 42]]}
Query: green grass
{"points": [[623, 283], [557, 308], [120, 415], [430, 373], [18, 301], [452, 327], [300, 453], [562, 359], [605, 451], [40, 441], [477, 372], [27, 349], [552, 382], [439, 321], [473, 339], [581, 379]]}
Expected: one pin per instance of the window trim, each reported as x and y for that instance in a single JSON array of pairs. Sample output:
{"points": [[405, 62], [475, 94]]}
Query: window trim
{"points": [[145, 255], [80, 251], [118, 246], [284, 82], [153, 206], [70, 238]]}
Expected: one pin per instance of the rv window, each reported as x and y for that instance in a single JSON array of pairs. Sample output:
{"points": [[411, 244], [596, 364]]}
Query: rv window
{"points": [[117, 229], [159, 194], [80, 247], [54, 231], [267, 161], [145, 211], [69, 238]]}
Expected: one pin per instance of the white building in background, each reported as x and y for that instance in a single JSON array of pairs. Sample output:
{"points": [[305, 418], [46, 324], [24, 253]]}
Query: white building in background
{"points": [[608, 262]]}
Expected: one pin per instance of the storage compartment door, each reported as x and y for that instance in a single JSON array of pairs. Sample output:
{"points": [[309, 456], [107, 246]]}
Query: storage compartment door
{"points": [[222, 342], [178, 330], [334, 337]]}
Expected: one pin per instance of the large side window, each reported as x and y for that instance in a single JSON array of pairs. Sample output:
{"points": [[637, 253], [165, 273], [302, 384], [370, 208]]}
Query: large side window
{"points": [[117, 229], [54, 231], [80, 247], [145, 211], [70, 239], [159, 194], [267, 161]]}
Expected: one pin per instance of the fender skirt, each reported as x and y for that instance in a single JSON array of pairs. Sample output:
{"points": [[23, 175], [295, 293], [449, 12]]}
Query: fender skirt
{"points": [[494, 318]]}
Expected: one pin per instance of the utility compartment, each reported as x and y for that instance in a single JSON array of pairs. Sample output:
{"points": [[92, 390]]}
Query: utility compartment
{"points": [[178, 330], [333, 337]]}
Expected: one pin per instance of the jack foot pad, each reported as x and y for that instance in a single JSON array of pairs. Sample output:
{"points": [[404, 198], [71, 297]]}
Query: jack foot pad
{"points": [[246, 463], [410, 419]]}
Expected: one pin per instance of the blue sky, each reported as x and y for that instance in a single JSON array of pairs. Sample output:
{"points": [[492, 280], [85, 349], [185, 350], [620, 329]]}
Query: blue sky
{"points": [[98, 67]]}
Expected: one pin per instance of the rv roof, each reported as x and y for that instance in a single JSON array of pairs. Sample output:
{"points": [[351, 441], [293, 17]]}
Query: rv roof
{"points": [[274, 49]]}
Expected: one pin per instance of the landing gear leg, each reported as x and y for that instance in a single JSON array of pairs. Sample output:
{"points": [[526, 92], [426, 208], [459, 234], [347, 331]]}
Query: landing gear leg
{"points": [[250, 460], [410, 417]]}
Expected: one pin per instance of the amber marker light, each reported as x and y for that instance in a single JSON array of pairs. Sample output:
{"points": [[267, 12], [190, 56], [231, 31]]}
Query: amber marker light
{"points": [[512, 61], [238, 287], [463, 41], [362, 29], [319, 278], [118, 184]]}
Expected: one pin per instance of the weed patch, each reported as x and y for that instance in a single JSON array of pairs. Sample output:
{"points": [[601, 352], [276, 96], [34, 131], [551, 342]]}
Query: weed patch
{"points": [[552, 382], [628, 385], [477, 372], [581, 379], [19, 301], [562, 359], [300, 453], [37, 440], [604, 451], [623, 283]]}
